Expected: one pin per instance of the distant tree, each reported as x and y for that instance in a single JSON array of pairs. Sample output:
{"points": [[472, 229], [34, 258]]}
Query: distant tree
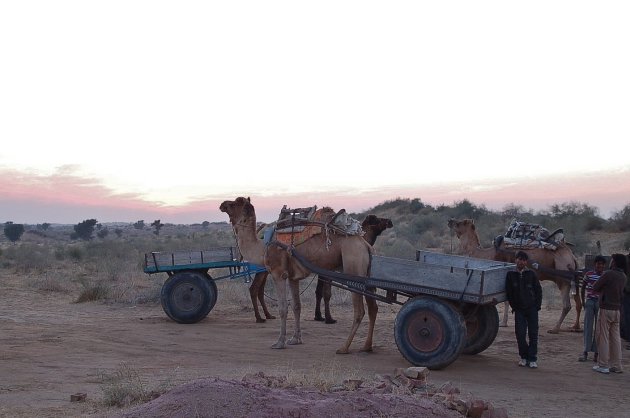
{"points": [[415, 205], [205, 224], [467, 209], [84, 230], [118, 232], [157, 225], [13, 232], [621, 220], [139, 225], [99, 226], [102, 233], [43, 226]]}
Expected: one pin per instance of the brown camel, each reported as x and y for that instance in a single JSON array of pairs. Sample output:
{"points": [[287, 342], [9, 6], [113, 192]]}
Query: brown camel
{"points": [[558, 266], [330, 251], [373, 226]]}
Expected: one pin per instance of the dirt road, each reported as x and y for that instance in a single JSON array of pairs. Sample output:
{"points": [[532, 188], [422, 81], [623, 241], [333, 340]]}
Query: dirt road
{"points": [[51, 348]]}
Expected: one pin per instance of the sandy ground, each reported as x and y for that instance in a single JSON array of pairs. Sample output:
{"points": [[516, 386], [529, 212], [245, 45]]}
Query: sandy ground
{"points": [[51, 348]]}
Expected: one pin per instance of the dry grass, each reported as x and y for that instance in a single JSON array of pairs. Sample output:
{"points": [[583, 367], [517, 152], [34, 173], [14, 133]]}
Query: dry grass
{"points": [[125, 386]]}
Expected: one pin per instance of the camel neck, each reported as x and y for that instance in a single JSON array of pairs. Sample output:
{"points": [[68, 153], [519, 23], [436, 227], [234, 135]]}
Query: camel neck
{"points": [[252, 249]]}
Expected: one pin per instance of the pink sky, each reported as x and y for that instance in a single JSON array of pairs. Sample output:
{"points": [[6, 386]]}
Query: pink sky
{"points": [[67, 198]]}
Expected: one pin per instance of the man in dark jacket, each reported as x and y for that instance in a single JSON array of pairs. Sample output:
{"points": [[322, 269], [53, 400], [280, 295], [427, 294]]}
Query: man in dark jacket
{"points": [[524, 294], [610, 287]]}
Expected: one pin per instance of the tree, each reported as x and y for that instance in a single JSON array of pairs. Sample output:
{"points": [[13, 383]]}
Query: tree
{"points": [[205, 224], [13, 232], [43, 226], [102, 233], [84, 230], [621, 219], [118, 232], [139, 225], [157, 225]]}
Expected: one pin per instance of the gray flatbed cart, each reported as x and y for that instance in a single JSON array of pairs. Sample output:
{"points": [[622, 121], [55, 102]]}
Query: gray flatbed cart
{"points": [[450, 305]]}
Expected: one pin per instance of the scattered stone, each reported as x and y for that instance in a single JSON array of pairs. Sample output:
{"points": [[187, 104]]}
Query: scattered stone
{"points": [[416, 372], [449, 389], [78, 397], [477, 408]]}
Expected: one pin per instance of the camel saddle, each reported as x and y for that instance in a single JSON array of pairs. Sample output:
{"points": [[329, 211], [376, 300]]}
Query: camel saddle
{"points": [[295, 226], [523, 235]]}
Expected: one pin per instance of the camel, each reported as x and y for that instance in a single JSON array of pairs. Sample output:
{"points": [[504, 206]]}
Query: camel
{"points": [[558, 266], [373, 226], [331, 251]]}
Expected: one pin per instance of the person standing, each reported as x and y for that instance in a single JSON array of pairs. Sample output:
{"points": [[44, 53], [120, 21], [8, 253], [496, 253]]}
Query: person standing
{"points": [[610, 287], [524, 294], [590, 301]]}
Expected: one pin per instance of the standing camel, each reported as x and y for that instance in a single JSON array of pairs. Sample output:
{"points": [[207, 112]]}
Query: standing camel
{"points": [[558, 266], [373, 226], [330, 251]]}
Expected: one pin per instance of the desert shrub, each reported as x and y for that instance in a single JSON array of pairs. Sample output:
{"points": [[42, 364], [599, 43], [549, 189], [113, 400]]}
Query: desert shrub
{"points": [[75, 252], [124, 387], [399, 248], [93, 291], [49, 282], [26, 258]]}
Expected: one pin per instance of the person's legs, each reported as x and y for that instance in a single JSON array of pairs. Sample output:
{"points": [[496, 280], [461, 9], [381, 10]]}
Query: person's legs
{"points": [[532, 330], [589, 325], [615, 341], [520, 329], [603, 337]]}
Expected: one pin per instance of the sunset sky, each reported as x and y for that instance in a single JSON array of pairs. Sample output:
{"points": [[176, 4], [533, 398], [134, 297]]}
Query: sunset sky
{"points": [[144, 110]]}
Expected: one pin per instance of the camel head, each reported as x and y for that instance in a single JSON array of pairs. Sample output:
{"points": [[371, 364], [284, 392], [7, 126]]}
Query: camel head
{"points": [[460, 227], [376, 223], [240, 211]]}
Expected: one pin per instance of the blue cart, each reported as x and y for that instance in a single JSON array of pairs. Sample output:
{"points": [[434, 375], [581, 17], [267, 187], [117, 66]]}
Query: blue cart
{"points": [[190, 292]]}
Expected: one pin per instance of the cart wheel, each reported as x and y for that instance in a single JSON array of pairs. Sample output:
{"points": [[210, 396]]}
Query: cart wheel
{"points": [[482, 328], [429, 332], [187, 297]]}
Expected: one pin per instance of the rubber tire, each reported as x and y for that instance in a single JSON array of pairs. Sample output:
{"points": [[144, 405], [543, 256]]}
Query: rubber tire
{"points": [[482, 328], [188, 297], [429, 332]]}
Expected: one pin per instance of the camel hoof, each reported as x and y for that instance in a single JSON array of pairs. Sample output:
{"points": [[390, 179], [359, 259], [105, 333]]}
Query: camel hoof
{"points": [[319, 318], [278, 345], [259, 320], [294, 341], [271, 317], [553, 331], [366, 350], [343, 351], [331, 321]]}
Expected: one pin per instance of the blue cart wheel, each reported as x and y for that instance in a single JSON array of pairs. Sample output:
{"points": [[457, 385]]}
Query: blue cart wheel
{"points": [[429, 332], [482, 327], [188, 297]]}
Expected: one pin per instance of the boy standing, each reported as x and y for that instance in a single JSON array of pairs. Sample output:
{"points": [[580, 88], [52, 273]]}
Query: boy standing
{"points": [[524, 294]]}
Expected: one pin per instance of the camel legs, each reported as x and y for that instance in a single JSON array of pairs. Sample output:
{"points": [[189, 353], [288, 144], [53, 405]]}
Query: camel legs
{"points": [[297, 309], [323, 291], [283, 307], [359, 313], [372, 311], [257, 293], [506, 313], [565, 291]]}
